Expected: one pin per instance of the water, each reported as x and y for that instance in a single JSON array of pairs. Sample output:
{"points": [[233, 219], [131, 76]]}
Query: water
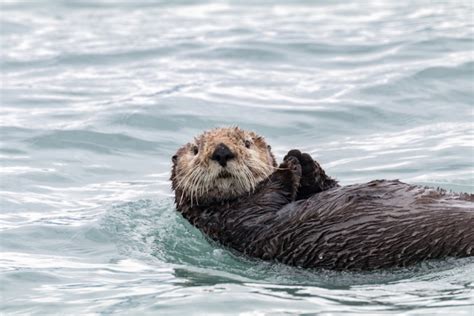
{"points": [[97, 95]]}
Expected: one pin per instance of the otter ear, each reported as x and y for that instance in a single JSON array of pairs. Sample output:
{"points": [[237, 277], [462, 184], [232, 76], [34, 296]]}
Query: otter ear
{"points": [[174, 159]]}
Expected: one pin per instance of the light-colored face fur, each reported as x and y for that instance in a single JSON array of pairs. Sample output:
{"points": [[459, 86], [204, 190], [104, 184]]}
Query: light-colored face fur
{"points": [[197, 178]]}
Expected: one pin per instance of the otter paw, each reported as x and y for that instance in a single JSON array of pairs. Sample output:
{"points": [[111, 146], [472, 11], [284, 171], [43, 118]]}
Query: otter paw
{"points": [[293, 165], [293, 153], [313, 178], [308, 166], [289, 175]]}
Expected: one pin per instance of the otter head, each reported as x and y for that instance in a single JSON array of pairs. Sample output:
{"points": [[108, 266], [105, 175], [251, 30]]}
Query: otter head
{"points": [[220, 164]]}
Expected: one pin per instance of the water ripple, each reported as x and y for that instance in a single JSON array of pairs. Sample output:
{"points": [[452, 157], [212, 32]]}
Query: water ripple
{"points": [[98, 95]]}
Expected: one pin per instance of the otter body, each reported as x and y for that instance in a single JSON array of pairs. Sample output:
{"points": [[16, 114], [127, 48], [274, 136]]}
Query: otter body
{"points": [[297, 215], [378, 224]]}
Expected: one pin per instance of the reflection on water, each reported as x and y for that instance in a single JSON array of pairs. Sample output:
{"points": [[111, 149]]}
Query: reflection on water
{"points": [[97, 96]]}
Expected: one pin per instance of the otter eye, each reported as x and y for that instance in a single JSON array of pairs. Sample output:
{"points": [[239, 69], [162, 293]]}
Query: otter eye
{"points": [[174, 158], [195, 149], [247, 143]]}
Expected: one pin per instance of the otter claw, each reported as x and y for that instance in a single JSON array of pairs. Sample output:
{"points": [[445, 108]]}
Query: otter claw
{"points": [[292, 164]]}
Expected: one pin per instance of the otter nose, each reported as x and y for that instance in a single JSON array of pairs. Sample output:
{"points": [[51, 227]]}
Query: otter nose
{"points": [[222, 154]]}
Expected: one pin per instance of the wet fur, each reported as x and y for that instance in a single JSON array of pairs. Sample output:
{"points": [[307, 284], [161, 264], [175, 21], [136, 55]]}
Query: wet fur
{"points": [[299, 216], [196, 179]]}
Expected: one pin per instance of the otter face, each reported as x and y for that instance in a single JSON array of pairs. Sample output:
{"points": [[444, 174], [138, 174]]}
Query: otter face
{"points": [[220, 164]]}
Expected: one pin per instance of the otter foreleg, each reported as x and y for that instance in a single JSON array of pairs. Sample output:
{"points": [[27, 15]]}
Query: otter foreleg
{"points": [[287, 178], [313, 177]]}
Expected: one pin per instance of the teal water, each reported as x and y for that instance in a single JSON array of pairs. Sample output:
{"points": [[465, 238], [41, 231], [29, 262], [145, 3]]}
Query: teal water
{"points": [[97, 95]]}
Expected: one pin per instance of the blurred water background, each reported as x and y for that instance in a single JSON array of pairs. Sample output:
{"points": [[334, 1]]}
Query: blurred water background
{"points": [[96, 96]]}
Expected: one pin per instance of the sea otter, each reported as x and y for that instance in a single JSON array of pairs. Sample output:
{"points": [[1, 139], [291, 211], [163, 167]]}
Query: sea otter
{"points": [[227, 184]]}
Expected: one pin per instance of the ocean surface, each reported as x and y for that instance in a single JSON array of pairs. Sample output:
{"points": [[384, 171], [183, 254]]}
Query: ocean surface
{"points": [[96, 96]]}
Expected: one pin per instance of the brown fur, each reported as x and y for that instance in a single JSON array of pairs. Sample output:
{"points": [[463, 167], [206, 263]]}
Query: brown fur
{"points": [[197, 179], [297, 215]]}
